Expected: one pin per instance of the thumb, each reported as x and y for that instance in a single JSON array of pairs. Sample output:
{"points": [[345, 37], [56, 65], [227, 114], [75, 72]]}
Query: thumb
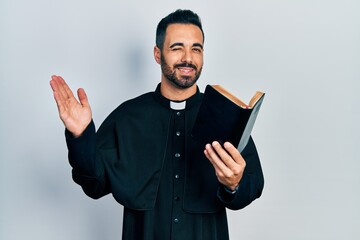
{"points": [[82, 97]]}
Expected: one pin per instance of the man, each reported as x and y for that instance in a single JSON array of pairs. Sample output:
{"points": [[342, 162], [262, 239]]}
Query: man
{"points": [[143, 153]]}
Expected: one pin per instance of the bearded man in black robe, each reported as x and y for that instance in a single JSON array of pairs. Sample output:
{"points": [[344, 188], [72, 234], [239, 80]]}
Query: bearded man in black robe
{"points": [[144, 155]]}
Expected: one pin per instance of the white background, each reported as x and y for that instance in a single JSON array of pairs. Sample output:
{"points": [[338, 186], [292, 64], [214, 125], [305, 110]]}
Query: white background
{"points": [[304, 54]]}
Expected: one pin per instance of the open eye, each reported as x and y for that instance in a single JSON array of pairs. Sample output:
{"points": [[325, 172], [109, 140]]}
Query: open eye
{"points": [[197, 50]]}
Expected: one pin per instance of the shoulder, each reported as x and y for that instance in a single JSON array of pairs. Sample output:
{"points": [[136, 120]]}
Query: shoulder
{"points": [[138, 104], [129, 109]]}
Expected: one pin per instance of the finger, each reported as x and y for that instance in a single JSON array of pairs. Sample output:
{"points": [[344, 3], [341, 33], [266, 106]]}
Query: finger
{"points": [[59, 103], [234, 152], [65, 88], [83, 97], [56, 91], [58, 87], [221, 170], [224, 155], [218, 164], [54, 82]]}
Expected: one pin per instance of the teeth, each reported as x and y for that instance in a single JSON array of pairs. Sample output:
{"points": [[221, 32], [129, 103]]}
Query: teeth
{"points": [[186, 70]]}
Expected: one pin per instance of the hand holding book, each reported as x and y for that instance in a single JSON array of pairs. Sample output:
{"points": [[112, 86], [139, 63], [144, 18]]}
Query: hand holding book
{"points": [[228, 163]]}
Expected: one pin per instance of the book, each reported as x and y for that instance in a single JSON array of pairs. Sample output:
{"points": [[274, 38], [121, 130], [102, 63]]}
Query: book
{"points": [[224, 117]]}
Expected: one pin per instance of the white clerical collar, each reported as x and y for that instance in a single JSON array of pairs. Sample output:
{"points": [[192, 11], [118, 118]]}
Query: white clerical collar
{"points": [[177, 105]]}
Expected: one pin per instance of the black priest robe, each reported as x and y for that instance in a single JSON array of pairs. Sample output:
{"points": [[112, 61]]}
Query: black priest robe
{"points": [[144, 155]]}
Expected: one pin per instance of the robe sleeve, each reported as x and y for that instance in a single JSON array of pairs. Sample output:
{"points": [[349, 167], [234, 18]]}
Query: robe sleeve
{"points": [[87, 170], [251, 184]]}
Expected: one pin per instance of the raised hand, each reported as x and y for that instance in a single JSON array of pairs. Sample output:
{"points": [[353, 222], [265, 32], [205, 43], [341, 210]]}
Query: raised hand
{"points": [[76, 115], [228, 163]]}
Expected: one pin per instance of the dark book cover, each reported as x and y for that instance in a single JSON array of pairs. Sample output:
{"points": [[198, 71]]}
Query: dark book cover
{"points": [[223, 117]]}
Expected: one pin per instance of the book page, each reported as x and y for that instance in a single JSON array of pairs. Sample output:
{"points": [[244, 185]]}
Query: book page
{"points": [[236, 100]]}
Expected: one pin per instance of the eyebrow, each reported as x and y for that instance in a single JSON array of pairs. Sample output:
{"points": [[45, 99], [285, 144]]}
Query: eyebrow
{"points": [[198, 45], [182, 44]]}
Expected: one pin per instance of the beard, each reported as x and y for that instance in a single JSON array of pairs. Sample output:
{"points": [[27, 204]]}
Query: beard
{"points": [[179, 81]]}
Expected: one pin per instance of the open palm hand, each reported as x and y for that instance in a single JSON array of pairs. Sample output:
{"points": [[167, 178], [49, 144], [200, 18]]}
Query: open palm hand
{"points": [[76, 115]]}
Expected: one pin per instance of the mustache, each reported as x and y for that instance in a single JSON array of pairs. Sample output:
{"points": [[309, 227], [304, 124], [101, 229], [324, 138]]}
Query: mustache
{"points": [[190, 65]]}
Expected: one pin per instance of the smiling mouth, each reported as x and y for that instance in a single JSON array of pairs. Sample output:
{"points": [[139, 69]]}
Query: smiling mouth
{"points": [[186, 70]]}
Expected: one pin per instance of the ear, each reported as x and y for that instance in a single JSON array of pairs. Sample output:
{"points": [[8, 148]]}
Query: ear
{"points": [[157, 55]]}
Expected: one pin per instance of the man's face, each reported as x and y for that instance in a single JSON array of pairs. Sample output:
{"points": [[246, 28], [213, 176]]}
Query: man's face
{"points": [[182, 55]]}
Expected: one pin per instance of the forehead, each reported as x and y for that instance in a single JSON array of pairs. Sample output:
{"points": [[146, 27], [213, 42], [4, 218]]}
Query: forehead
{"points": [[184, 33]]}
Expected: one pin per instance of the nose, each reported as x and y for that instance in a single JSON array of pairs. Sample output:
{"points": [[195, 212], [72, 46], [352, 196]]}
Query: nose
{"points": [[187, 56]]}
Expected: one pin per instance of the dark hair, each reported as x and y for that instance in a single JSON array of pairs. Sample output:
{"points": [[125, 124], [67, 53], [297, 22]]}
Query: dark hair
{"points": [[179, 16]]}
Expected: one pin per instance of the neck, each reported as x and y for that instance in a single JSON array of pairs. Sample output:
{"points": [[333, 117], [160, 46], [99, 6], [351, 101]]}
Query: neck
{"points": [[172, 92]]}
